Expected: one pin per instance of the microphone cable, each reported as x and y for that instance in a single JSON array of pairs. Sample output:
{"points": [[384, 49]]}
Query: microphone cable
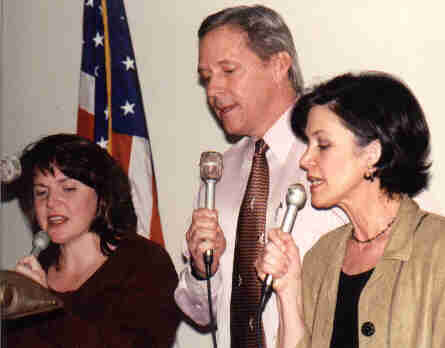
{"points": [[208, 260], [266, 292]]}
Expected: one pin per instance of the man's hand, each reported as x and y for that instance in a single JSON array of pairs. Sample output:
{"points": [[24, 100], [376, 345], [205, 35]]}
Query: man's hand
{"points": [[203, 234]]}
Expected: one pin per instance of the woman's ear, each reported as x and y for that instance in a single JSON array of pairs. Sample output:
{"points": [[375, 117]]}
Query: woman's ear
{"points": [[373, 151]]}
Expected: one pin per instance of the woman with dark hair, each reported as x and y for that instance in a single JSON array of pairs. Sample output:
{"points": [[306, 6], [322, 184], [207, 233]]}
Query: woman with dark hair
{"points": [[117, 287], [378, 281]]}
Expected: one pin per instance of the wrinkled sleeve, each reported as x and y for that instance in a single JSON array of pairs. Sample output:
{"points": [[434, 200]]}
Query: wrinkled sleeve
{"points": [[191, 294]]}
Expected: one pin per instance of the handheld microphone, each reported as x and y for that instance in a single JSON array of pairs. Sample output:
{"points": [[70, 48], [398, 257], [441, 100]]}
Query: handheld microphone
{"points": [[295, 199], [39, 243], [211, 166], [10, 169]]}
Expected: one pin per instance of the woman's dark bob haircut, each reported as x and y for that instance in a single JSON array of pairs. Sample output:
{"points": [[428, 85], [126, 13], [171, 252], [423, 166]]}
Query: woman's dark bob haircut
{"points": [[83, 160], [377, 106]]}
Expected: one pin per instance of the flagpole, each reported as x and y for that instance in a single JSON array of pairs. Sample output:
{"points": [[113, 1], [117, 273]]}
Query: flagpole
{"points": [[108, 74]]}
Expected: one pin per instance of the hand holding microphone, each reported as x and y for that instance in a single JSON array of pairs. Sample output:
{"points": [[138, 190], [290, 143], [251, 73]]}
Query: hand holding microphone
{"points": [[21, 292], [29, 266], [295, 199]]}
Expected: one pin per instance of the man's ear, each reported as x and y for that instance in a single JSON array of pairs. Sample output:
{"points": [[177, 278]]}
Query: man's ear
{"points": [[373, 151], [281, 63]]}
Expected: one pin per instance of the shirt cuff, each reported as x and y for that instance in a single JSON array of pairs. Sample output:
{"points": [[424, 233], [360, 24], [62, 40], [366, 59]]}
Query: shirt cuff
{"points": [[191, 296]]}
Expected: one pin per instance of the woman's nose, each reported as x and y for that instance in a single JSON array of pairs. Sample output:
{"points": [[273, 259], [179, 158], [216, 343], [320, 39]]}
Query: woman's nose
{"points": [[52, 199], [306, 160]]}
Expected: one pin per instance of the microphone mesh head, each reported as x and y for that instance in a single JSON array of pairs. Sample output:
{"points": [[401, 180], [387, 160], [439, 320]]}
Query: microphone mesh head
{"points": [[10, 169], [40, 241], [211, 165], [296, 195]]}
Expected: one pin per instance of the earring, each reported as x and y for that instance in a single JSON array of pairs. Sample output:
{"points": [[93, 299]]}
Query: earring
{"points": [[369, 175]]}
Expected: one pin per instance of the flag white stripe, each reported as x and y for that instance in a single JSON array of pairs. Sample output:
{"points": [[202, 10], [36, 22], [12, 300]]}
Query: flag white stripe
{"points": [[86, 92], [140, 174]]}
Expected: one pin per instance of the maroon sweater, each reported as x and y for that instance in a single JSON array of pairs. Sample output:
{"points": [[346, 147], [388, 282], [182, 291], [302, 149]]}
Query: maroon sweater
{"points": [[128, 302]]}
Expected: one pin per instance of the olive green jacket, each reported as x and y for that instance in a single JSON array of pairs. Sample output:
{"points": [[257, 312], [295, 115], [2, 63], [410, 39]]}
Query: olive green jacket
{"points": [[403, 303]]}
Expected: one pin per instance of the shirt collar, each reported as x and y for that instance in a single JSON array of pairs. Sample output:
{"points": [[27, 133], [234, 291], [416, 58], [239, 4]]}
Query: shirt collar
{"points": [[280, 136], [401, 242]]}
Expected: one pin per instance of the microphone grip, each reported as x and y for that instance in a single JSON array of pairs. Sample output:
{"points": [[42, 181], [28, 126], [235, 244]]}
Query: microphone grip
{"points": [[289, 218], [36, 251], [209, 204], [286, 226], [210, 194]]}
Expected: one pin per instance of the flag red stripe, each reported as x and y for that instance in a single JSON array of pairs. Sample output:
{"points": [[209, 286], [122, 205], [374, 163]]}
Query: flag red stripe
{"points": [[85, 124], [156, 229], [121, 149]]}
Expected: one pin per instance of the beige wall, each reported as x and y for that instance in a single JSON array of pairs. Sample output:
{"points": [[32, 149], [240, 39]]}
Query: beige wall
{"points": [[40, 56]]}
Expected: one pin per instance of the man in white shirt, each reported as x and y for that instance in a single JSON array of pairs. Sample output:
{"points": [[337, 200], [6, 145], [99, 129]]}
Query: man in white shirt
{"points": [[248, 67]]}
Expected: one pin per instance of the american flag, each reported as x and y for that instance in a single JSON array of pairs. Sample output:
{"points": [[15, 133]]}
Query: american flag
{"points": [[111, 110]]}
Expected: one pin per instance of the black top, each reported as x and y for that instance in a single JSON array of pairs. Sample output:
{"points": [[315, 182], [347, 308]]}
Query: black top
{"points": [[345, 334]]}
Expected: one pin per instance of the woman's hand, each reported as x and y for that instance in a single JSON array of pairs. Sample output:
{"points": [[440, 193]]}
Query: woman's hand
{"points": [[30, 267], [281, 259]]}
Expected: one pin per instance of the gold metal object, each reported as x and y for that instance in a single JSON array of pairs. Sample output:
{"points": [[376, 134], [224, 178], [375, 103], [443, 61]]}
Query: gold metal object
{"points": [[21, 296]]}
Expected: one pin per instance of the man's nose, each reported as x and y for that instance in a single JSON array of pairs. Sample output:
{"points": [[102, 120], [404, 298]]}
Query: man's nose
{"points": [[215, 86]]}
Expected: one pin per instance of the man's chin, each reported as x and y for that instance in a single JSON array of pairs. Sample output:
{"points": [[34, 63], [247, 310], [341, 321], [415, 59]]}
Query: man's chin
{"points": [[232, 130], [232, 135]]}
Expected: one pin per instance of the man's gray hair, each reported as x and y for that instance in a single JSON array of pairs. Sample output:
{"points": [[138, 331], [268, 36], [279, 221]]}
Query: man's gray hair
{"points": [[267, 32]]}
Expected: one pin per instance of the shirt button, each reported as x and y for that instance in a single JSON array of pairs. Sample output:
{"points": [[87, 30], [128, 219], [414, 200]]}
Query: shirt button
{"points": [[368, 329]]}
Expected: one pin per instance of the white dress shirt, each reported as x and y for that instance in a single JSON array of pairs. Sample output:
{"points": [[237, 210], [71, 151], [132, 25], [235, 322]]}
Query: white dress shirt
{"points": [[283, 158]]}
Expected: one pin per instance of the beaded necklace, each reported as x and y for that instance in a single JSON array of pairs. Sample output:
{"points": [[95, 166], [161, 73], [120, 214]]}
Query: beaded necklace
{"points": [[376, 236]]}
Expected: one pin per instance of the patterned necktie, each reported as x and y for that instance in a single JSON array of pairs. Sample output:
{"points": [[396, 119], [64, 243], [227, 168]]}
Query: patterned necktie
{"points": [[246, 287]]}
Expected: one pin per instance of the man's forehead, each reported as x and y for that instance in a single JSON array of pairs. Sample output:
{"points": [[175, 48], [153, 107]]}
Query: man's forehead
{"points": [[225, 30], [222, 44]]}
